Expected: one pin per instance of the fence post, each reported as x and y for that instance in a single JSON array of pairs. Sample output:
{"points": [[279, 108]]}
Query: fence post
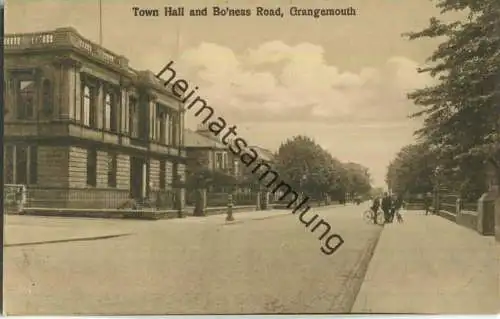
{"points": [[22, 199], [258, 200], [229, 208], [458, 205]]}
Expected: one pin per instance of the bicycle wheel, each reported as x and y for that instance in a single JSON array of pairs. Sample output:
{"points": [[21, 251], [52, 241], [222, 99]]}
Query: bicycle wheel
{"points": [[380, 218], [368, 216]]}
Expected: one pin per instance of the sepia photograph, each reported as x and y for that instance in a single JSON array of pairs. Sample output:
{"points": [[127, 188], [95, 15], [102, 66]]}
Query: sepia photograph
{"points": [[250, 157]]}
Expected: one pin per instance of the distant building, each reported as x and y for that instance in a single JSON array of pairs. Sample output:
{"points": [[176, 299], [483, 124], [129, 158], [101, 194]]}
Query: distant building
{"points": [[265, 155], [204, 149], [84, 129]]}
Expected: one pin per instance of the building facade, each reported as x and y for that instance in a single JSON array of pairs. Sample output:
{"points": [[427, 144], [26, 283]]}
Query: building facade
{"points": [[82, 128], [205, 150]]}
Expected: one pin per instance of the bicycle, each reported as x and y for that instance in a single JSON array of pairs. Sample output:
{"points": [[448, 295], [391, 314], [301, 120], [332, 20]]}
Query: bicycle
{"points": [[369, 217]]}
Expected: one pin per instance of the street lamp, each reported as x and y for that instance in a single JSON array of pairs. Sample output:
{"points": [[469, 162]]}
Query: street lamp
{"points": [[437, 186]]}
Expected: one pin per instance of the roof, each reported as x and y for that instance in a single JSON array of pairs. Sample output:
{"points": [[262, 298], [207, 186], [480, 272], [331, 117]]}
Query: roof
{"points": [[263, 153], [193, 139]]}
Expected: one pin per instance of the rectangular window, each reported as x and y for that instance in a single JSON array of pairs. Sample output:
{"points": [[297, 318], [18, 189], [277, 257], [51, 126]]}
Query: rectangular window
{"points": [[175, 131], [224, 160], [236, 167], [112, 169], [152, 121], [163, 172], [167, 129], [33, 165], [133, 118], [114, 114], [87, 105], [124, 115], [91, 167], [158, 116], [79, 107], [107, 112], [162, 125], [219, 160], [21, 164], [9, 164], [26, 91]]}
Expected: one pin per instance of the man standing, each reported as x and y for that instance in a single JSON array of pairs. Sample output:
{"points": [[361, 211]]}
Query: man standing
{"points": [[397, 205], [386, 207]]}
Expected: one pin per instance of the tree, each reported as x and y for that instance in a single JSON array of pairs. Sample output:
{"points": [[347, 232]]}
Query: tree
{"points": [[461, 111], [308, 167], [358, 179], [203, 177], [412, 171]]}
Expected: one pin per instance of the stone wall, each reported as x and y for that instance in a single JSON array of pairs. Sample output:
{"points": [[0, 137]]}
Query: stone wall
{"points": [[53, 167], [154, 173], [123, 171], [102, 169], [77, 167]]}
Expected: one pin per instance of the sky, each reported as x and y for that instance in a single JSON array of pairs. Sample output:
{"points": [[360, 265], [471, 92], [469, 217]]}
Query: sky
{"points": [[339, 80]]}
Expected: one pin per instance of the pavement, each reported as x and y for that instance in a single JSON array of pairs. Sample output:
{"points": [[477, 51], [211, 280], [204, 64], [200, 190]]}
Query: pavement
{"points": [[264, 262], [429, 265], [43, 229]]}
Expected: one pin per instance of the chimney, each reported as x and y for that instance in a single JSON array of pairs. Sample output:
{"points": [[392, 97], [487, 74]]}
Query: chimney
{"points": [[203, 129]]}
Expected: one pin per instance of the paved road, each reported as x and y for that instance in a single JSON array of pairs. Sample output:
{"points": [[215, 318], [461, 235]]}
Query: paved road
{"points": [[193, 265]]}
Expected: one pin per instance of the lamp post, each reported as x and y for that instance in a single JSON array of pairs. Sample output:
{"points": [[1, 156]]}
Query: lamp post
{"points": [[437, 186]]}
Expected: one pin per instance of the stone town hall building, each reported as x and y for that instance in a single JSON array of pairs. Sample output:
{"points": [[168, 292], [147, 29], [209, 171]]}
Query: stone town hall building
{"points": [[84, 129]]}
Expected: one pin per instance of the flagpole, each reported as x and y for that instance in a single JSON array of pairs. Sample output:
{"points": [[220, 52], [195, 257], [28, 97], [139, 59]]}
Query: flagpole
{"points": [[178, 41], [100, 22]]}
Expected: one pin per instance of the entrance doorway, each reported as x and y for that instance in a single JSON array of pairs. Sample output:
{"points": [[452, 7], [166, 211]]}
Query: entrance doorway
{"points": [[138, 177]]}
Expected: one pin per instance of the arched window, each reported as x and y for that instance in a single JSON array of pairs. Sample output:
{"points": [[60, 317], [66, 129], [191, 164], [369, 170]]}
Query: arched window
{"points": [[26, 96], [47, 97], [107, 111], [86, 100]]}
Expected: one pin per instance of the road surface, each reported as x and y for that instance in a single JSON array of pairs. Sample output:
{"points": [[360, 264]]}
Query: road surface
{"points": [[185, 266]]}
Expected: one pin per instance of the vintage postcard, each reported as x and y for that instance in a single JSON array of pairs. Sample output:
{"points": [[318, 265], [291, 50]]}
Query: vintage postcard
{"points": [[251, 157]]}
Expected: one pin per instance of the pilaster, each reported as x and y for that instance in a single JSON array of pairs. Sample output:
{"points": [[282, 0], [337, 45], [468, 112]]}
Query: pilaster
{"points": [[9, 110]]}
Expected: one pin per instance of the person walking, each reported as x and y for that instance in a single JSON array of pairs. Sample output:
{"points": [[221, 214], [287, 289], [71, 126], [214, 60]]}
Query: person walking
{"points": [[375, 205], [386, 207], [427, 203]]}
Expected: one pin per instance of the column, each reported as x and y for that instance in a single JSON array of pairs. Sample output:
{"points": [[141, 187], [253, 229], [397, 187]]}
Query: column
{"points": [[259, 202], [181, 130], [9, 110], [62, 91], [144, 180], [265, 204]]}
